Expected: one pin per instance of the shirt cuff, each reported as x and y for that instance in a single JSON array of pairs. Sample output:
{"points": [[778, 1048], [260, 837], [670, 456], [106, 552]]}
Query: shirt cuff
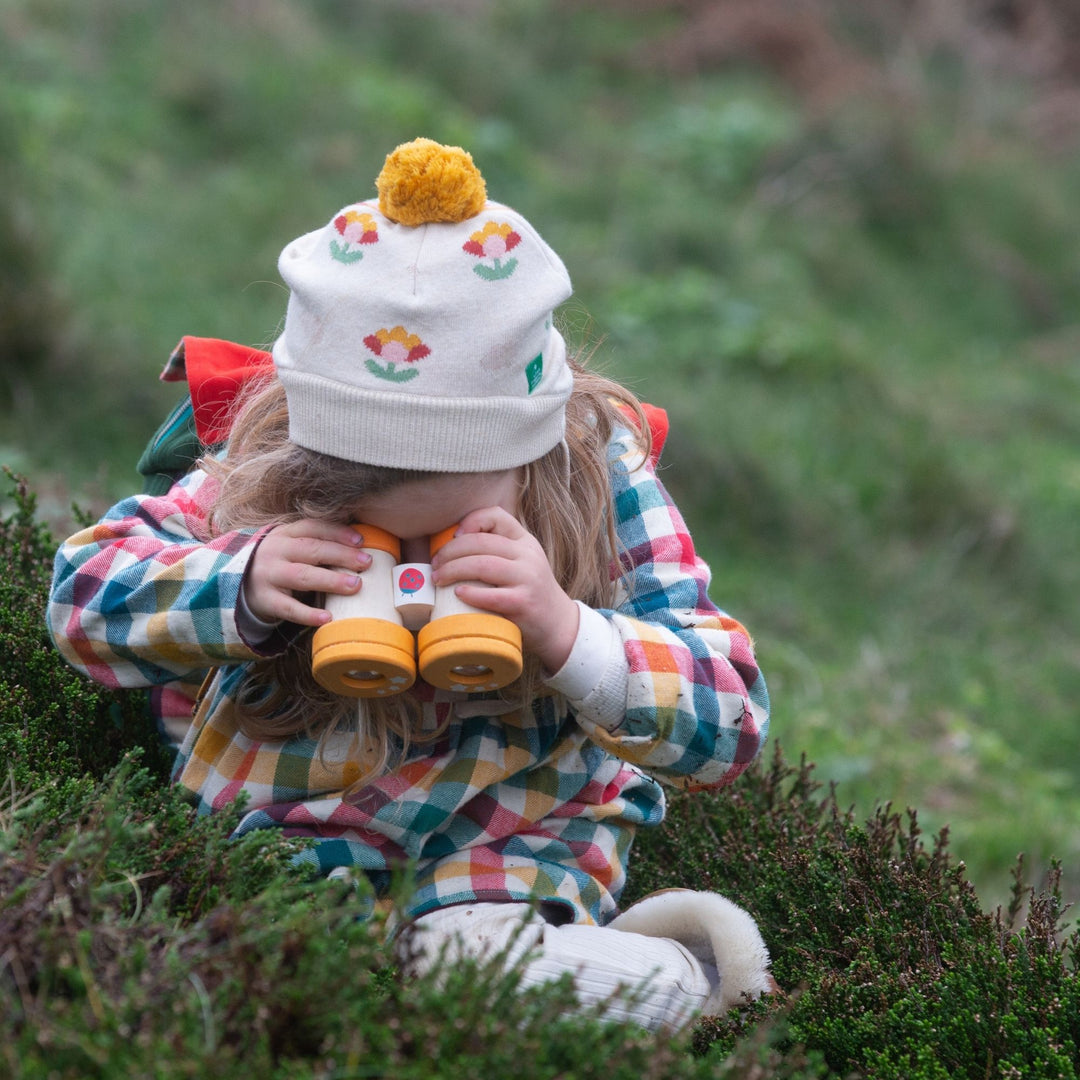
{"points": [[594, 676], [252, 629]]}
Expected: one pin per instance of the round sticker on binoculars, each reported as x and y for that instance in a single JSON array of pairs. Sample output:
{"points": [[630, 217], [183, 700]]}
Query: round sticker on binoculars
{"points": [[414, 594], [411, 580]]}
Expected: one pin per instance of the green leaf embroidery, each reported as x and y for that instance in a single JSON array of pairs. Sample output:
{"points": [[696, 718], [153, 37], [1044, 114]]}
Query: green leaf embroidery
{"points": [[342, 253], [390, 372], [496, 272]]}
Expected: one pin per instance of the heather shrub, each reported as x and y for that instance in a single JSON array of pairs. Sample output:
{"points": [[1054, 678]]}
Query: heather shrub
{"points": [[891, 968], [56, 727], [139, 940], [102, 976]]}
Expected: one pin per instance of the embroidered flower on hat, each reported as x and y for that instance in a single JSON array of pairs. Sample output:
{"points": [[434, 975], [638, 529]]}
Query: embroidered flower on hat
{"points": [[395, 347], [492, 242], [355, 228]]}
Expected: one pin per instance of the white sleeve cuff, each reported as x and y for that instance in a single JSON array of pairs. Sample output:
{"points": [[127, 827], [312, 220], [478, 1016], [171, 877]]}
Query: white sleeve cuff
{"points": [[252, 629], [594, 676]]}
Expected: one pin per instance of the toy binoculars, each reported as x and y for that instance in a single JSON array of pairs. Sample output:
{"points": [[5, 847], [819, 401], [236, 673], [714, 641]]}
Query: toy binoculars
{"points": [[368, 650]]}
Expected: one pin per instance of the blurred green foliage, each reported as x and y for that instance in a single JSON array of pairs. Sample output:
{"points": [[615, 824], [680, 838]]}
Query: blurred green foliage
{"points": [[860, 311]]}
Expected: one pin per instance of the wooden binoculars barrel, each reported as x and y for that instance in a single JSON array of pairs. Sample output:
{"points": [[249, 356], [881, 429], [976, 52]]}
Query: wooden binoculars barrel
{"points": [[369, 648]]}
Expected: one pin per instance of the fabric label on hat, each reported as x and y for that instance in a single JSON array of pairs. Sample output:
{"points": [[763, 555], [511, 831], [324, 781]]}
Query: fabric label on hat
{"points": [[395, 347], [534, 372], [491, 244], [355, 228]]}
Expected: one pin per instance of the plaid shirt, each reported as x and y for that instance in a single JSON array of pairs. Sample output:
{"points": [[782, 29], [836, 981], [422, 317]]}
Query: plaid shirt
{"points": [[504, 804]]}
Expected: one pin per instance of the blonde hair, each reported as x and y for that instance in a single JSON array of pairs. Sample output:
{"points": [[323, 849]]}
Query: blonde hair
{"points": [[266, 479]]}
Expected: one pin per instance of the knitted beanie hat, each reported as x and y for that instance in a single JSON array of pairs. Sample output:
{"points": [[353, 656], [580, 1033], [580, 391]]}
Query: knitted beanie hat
{"points": [[419, 328]]}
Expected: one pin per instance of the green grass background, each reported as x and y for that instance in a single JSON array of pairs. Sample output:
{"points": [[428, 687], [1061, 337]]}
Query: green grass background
{"points": [[853, 282]]}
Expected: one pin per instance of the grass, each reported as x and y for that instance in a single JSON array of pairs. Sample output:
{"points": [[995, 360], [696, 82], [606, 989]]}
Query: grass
{"points": [[861, 319]]}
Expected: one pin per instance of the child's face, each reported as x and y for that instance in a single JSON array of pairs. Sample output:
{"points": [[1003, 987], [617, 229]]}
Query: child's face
{"points": [[417, 510]]}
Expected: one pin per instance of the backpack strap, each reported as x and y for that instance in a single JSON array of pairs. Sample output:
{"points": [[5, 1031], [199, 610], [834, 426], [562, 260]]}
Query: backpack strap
{"points": [[657, 419], [215, 372], [659, 426]]}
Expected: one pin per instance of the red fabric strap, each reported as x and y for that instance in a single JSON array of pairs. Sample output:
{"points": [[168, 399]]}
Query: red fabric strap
{"points": [[658, 428], [216, 371]]}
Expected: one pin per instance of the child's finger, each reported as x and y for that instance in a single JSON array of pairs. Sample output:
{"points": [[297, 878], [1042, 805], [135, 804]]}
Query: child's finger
{"points": [[314, 543], [273, 596], [311, 551], [304, 578], [487, 569], [509, 602], [492, 519], [302, 557], [313, 528], [477, 543], [285, 607]]}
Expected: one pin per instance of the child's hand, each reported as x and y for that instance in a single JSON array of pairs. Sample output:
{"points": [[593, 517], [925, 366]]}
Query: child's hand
{"points": [[493, 548], [302, 557]]}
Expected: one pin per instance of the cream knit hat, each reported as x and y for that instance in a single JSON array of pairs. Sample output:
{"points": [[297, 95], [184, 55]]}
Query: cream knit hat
{"points": [[419, 329]]}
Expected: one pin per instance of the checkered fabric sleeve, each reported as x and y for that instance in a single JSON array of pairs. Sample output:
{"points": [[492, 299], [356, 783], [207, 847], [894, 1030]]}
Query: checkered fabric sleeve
{"points": [[689, 705], [146, 597]]}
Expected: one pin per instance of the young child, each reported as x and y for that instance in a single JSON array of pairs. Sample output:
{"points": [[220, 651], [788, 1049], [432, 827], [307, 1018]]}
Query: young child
{"points": [[420, 383]]}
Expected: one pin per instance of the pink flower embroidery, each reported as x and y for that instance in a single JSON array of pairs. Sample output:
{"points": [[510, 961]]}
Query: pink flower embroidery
{"points": [[395, 347], [355, 228], [493, 242]]}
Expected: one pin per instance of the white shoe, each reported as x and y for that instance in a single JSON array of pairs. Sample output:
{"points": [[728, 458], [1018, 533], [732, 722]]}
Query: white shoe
{"points": [[722, 936]]}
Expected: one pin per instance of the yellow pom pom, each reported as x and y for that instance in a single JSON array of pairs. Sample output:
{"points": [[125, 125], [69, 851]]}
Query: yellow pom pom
{"points": [[424, 181]]}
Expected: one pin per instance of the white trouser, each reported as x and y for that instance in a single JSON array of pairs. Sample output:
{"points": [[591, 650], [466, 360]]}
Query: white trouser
{"points": [[669, 981]]}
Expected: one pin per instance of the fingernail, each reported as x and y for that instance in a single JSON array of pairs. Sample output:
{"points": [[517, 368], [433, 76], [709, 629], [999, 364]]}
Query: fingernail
{"points": [[352, 580]]}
